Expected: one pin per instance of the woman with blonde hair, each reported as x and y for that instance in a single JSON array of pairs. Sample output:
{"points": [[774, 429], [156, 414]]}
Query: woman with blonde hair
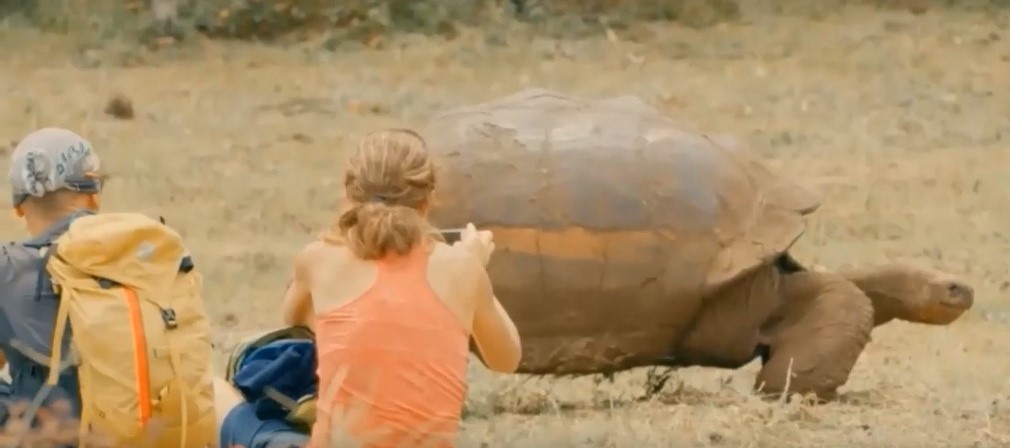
{"points": [[393, 308]]}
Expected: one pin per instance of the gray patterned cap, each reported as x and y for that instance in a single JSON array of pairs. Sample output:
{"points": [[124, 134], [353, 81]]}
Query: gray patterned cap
{"points": [[52, 159]]}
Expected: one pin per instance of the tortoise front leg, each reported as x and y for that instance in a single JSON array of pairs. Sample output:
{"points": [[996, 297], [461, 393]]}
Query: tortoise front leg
{"points": [[816, 337]]}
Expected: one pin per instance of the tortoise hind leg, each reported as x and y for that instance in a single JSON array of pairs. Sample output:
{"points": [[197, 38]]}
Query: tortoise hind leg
{"points": [[816, 337]]}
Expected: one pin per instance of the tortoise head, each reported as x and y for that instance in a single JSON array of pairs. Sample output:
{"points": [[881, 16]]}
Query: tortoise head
{"points": [[913, 292]]}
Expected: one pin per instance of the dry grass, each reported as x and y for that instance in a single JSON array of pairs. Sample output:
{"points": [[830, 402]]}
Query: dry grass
{"points": [[902, 120]]}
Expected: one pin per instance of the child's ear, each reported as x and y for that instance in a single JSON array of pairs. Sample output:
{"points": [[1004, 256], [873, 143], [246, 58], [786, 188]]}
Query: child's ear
{"points": [[18, 213]]}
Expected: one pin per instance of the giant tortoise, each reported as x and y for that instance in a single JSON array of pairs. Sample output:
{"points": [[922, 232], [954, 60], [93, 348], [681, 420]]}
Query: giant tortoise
{"points": [[626, 239]]}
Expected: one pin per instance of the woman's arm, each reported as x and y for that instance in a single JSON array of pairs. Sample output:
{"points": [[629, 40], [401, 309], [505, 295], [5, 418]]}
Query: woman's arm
{"points": [[296, 307], [493, 330]]}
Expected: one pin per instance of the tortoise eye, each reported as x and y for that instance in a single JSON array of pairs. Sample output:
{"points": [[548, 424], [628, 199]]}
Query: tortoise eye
{"points": [[958, 290]]}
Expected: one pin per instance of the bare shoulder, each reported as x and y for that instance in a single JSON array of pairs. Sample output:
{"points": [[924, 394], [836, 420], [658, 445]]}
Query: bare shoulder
{"points": [[312, 248], [458, 276], [455, 259], [313, 251]]}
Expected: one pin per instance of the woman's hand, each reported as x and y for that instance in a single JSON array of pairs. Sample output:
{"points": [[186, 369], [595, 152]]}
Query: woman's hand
{"points": [[480, 243], [297, 307]]}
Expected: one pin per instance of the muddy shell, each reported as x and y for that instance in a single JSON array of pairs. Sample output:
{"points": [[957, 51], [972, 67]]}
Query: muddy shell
{"points": [[613, 222]]}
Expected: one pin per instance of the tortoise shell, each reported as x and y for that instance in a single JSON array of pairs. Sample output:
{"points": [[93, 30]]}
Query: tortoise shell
{"points": [[612, 221]]}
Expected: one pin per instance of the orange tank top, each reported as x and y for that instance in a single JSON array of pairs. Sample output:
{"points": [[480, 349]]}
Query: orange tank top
{"points": [[392, 363]]}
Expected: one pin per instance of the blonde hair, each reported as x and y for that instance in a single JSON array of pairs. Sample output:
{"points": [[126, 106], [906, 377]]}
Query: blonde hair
{"points": [[389, 180]]}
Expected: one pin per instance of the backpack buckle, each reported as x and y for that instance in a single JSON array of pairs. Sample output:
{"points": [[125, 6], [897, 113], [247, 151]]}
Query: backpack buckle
{"points": [[168, 316]]}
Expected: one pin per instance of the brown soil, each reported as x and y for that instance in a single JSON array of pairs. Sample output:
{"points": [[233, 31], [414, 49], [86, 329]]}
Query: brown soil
{"points": [[901, 119]]}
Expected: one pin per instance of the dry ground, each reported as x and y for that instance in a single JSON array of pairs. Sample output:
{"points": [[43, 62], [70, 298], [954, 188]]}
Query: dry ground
{"points": [[902, 120]]}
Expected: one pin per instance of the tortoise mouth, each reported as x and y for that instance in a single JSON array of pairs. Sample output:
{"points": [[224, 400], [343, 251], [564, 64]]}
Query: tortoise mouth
{"points": [[963, 305], [960, 303], [942, 313]]}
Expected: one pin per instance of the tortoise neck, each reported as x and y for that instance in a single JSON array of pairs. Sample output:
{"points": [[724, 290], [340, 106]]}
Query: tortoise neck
{"points": [[878, 285]]}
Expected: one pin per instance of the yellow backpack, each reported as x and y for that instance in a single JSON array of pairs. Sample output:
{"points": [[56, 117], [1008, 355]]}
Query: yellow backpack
{"points": [[140, 334]]}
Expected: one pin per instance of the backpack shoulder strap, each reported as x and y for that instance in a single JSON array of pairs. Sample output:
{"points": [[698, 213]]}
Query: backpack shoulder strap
{"points": [[56, 368], [40, 284]]}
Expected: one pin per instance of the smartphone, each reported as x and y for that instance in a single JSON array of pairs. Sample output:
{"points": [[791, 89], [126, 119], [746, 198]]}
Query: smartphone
{"points": [[451, 235]]}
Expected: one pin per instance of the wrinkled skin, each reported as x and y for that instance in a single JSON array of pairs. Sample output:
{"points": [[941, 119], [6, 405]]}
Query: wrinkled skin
{"points": [[811, 326], [626, 239], [825, 320]]}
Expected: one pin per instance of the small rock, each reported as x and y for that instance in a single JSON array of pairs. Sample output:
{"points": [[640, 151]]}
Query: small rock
{"points": [[120, 107], [495, 40], [230, 320], [365, 107], [894, 26], [918, 8]]}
